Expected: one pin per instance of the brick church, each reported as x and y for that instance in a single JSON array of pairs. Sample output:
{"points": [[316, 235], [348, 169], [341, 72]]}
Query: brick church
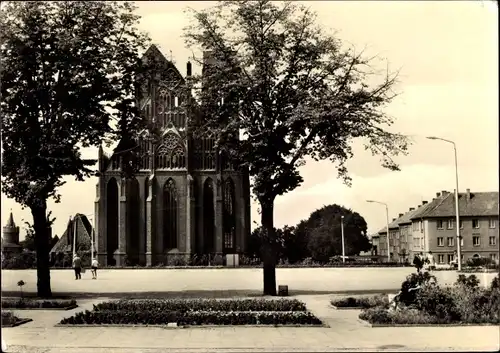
{"points": [[184, 200]]}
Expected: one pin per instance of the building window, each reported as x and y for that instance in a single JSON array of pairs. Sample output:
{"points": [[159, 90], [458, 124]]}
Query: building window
{"points": [[450, 223], [450, 258], [440, 241], [415, 226], [421, 225], [229, 215], [475, 223], [461, 241], [440, 224], [492, 223], [494, 257], [450, 241], [476, 241], [461, 224], [169, 215], [493, 240], [441, 258]]}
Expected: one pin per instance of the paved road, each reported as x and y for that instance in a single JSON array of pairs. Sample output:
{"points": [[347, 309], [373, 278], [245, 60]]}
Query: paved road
{"points": [[299, 280]]}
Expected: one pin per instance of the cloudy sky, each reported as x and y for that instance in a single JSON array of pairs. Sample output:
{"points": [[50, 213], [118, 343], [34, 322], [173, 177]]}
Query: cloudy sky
{"points": [[448, 55]]}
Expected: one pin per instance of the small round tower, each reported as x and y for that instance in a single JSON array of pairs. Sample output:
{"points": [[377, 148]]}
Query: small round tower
{"points": [[10, 240]]}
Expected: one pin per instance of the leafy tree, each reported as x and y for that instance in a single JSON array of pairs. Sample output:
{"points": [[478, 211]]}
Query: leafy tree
{"points": [[68, 81], [325, 232], [292, 91]]}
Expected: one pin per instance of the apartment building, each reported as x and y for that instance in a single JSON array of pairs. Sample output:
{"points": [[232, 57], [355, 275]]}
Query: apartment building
{"points": [[398, 242], [430, 226], [434, 228]]}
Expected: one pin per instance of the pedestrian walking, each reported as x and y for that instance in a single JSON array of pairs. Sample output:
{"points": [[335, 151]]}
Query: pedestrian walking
{"points": [[431, 261], [94, 268], [77, 266], [417, 262]]}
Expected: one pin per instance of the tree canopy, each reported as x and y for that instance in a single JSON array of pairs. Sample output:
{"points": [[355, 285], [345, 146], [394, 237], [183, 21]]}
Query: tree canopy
{"points": [[68, 73], [292, 91], [319, 237]]}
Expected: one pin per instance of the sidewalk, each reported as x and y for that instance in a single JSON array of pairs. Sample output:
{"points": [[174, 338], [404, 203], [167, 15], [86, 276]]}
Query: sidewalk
{"points": [[345, 333]]}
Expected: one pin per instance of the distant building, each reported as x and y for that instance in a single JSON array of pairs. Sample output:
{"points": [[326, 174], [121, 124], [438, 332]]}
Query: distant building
{"points": [[431, 227], [10, 237], [434, 227], [80, 229]]}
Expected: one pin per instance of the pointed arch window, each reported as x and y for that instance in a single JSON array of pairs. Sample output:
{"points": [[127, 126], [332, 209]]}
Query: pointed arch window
{"points": [[208, 216], [170, 215], [229, 215]]}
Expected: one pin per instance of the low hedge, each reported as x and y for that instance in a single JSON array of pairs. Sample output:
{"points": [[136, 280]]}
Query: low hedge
{"points": [[18, 303], [362, 302], [8, 318], [185, 305], [191, 318]]}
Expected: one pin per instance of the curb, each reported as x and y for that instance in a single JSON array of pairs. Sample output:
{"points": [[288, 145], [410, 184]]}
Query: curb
{"points": [[18, 323]]}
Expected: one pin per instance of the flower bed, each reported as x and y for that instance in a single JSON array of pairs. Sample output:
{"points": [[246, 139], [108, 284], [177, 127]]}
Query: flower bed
{"points": [[191, 318], [32, 304], [10, 320], [184, 305], [196, 312], [463, 304], [361, 302]]}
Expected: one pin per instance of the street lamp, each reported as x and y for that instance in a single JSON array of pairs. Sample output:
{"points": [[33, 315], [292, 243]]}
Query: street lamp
{"points": [[387, 219], [343, 246], [459, 245]]}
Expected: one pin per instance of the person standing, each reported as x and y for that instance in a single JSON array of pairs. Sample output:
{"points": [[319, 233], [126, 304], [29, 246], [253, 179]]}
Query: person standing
{"points": [[431, 261], [94, 268], [77, 266]]}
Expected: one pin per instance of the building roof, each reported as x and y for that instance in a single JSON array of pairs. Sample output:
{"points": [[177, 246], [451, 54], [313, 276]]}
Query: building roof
{"points": [[392, 225], [469, 204], [83, 232], [10, 221]]}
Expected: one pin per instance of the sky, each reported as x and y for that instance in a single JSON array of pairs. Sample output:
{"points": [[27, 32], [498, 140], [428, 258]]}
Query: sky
{"points": [[447, 54]]}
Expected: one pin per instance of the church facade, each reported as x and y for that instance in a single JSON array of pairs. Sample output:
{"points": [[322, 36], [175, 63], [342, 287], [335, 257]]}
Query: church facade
{"points": [[184, 199]]}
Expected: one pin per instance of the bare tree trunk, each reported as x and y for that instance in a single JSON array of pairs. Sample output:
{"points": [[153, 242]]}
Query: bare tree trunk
{"points": [[268, 248], [42, 245]]}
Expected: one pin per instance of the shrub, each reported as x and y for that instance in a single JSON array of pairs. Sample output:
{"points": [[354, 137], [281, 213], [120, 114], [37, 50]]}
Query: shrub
{"points": [[17, 303], [480, 262], [376, 315], [470, 282], [9, 318], [438, 302], [362, 302], [495, 284], [183, 305], [400, 317]]}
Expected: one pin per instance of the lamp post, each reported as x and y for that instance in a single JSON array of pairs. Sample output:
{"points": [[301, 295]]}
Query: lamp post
{"points": [[387, 220], [459, 245], [343, 245]]}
